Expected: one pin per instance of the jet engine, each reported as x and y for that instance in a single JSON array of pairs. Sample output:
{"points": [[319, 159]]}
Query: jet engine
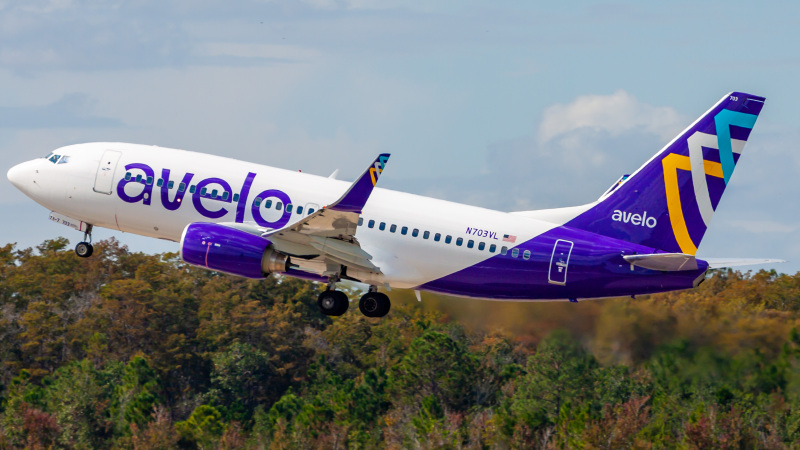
{"points": [[225, 249]]}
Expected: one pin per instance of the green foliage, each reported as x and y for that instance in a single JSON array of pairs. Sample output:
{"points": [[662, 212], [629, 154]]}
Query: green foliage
{"points": [[439, 366], [136, 396], [202, 428], [126, 350]]}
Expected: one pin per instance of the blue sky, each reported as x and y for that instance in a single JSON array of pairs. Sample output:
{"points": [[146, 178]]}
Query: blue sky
{"points": [[512, 105]]}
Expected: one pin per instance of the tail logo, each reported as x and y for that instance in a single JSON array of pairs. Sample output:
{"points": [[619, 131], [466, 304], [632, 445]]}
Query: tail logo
{"points": [[377, 169], [642, 220], [700, 168]]}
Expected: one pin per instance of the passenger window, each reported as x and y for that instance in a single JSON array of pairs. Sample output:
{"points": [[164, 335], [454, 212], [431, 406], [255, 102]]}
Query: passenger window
{"points": [[181, 187], [149, 181], [203, 191], [300, 211], [160, 182], [492, 248], [257, 202], [268, 204], [128, 176], [360, 219], [225, 195], [310, 211], [278, 205], [138, 178], [371, 224], [437, 236], [426, 235], [415, 233], [393, 228], [526, 255], [448, 239], [404, 231], [289, 208], [504, 250], [470, 243], [515, 253], [170, 185], [382, 226], [214, 193], [482, 246], [192, 188], [459, 241]]}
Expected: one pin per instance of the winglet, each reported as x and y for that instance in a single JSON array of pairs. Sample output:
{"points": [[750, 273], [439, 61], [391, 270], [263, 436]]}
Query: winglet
{"points": [[356, 197]]}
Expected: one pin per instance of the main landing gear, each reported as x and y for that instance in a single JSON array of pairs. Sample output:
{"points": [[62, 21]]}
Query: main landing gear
{"points": [[85, 249], [335, 303]]}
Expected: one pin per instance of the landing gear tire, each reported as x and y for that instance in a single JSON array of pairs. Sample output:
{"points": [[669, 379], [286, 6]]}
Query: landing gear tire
{"points": [[374, 304], [84, 249], [333, 303]]}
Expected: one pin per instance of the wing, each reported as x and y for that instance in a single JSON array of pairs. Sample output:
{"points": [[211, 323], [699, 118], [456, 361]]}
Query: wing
{"points": [[328, 235]]}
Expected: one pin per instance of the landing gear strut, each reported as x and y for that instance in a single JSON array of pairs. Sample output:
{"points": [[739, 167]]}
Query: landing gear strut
{"points": [[85, 249], [374, 303]]}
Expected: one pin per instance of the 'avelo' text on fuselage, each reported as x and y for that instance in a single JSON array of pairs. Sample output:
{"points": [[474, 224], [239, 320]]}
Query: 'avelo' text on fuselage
{"points": [[221, 192]]}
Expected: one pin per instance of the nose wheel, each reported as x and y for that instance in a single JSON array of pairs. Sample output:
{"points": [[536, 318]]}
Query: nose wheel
{"points": [[85, 249]]}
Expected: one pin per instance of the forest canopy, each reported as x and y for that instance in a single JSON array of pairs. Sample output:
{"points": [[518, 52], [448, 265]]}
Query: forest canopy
{"points": [[128, 350]]}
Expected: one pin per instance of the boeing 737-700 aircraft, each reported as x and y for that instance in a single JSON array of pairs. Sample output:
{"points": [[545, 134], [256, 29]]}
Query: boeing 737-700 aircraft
{"points": [[231, 216]]}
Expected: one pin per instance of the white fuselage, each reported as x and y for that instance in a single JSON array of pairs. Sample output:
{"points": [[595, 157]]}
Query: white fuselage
{"points": [[405, 261]]}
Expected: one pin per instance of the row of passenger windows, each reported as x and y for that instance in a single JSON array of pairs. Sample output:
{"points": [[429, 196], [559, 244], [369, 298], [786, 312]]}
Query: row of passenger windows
{"points": [[214, 193], [526, 255]]}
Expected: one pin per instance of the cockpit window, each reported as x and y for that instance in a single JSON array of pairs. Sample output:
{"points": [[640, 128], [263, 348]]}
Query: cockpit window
{"points": [[64, 159], [53, 158]]}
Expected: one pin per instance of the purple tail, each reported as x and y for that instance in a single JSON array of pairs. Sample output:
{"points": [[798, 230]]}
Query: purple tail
{"points": [[667, 204]]}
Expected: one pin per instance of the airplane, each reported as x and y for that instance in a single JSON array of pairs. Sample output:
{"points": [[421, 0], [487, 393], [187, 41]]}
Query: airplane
{"points": [[640, 236]]}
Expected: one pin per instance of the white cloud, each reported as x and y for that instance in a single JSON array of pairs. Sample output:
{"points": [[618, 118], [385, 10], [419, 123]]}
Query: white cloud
{"points": [[615, 114]]}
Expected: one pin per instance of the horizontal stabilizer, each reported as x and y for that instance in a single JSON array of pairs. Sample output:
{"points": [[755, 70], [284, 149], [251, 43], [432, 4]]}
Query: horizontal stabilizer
{"points": [[719, 263], [666, 262]]}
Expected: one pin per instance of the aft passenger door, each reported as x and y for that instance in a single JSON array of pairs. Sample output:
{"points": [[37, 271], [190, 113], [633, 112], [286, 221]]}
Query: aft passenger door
{"points": [[559, 262], [104, 180]]}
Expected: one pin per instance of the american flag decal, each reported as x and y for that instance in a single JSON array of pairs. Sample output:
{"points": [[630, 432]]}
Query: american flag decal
{"points": [[509, 238]]}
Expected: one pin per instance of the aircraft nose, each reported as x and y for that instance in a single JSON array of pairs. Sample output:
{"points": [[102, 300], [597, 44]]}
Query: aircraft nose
{"points": [[21, 176]]}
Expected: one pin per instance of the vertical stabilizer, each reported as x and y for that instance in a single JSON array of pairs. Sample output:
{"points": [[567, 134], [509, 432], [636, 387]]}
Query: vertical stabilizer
{"points": [[668, 203]]}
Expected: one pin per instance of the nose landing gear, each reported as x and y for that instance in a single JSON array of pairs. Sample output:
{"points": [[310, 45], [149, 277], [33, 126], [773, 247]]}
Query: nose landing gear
{"points": [[85, 249]]}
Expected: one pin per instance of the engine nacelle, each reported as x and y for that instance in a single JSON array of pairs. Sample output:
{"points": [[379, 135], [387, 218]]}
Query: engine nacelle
{"points": [[229, 250]]}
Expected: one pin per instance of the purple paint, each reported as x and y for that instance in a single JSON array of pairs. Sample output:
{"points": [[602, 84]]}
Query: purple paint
{"points": [[224, 249], [256, 210], [242, 204], [147, 193], [198, 196], [176, 203]]}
